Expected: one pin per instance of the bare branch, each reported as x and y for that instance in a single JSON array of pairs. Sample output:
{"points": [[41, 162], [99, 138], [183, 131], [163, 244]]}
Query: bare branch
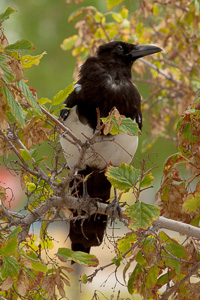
{"points": [[63, 127], [163, 73], [175, 287]]}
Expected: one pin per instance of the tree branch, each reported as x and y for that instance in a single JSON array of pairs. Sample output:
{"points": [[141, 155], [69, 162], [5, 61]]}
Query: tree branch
{"points": [[175, 287]]}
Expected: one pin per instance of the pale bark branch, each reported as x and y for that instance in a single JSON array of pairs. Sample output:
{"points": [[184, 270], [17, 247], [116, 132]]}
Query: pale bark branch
{"points": [[100, 208]]}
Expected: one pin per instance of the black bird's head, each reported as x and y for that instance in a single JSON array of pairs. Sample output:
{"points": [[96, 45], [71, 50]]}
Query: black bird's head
{"points": [[125, 52]]}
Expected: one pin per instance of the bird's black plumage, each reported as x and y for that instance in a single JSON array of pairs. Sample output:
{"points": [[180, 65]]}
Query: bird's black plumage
{"points": [[104, 82]]}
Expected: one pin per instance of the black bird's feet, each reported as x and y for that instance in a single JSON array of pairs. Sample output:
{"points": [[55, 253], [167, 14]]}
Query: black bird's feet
{"points": [[116, 209]]}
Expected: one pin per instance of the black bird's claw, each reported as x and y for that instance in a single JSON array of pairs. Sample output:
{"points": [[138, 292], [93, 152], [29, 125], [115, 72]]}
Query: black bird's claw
{"points": [[116, 209], [87, 205]]}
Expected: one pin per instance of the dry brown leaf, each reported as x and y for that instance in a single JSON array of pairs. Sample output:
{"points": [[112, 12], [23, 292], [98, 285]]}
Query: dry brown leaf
{"points": [[3, 40], [22, 283], [7, 283], [16, 67]]}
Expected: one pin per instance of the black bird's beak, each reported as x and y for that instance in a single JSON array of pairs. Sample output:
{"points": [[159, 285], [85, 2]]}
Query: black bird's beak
{"points": [[144, 50]]}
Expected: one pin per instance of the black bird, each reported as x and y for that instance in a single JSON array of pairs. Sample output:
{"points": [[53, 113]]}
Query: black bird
{"points": [[104, 82]]}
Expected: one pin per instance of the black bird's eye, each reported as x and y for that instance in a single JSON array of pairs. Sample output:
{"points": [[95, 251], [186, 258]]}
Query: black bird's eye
{"points": [[120, 48]]}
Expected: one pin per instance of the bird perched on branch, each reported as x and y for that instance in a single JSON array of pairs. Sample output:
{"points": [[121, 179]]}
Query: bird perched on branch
{"points": [[104, 82]]}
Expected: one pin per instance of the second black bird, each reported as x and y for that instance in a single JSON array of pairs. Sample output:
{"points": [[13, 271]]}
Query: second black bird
{"points": [[104, 82]]}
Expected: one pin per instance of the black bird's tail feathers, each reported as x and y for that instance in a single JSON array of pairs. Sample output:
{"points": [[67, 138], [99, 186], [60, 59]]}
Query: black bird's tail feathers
{"points": [[85, 234]]}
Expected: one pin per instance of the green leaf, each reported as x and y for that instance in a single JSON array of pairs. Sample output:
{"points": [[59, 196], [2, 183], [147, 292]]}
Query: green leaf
{"points": [[28, 60], [7, 74], [123, 177], [37, 265], [42, 101], [141, 215], [129, 126], [164, 279], [140, 259], [173, 264], [68, 43], [187, 134], [124, 12], [40, 160], [20, 46], [29, 96], [155, 9], [117, 17], [4, 16], [137, 271], [31, 186], [15, 107], [195, 221], [62, 95], [82, 258], [176, 250], [117, 261], [125, 243], [191, 203], [147, 180], [112, 3], [10, 267], [25, 155], [14, 233], [84, 278], [151, 278], [10, 247]]}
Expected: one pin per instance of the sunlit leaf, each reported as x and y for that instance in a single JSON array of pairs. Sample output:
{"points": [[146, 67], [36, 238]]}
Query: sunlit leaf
{"points": [[68, 43], [141, 215], [62, 95], [42, 101], [28, 61], [147, 180], [124, 12], [112, 3], [117, 17], [125, 243], [191, 203], [123, 177], [25, 155]]}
